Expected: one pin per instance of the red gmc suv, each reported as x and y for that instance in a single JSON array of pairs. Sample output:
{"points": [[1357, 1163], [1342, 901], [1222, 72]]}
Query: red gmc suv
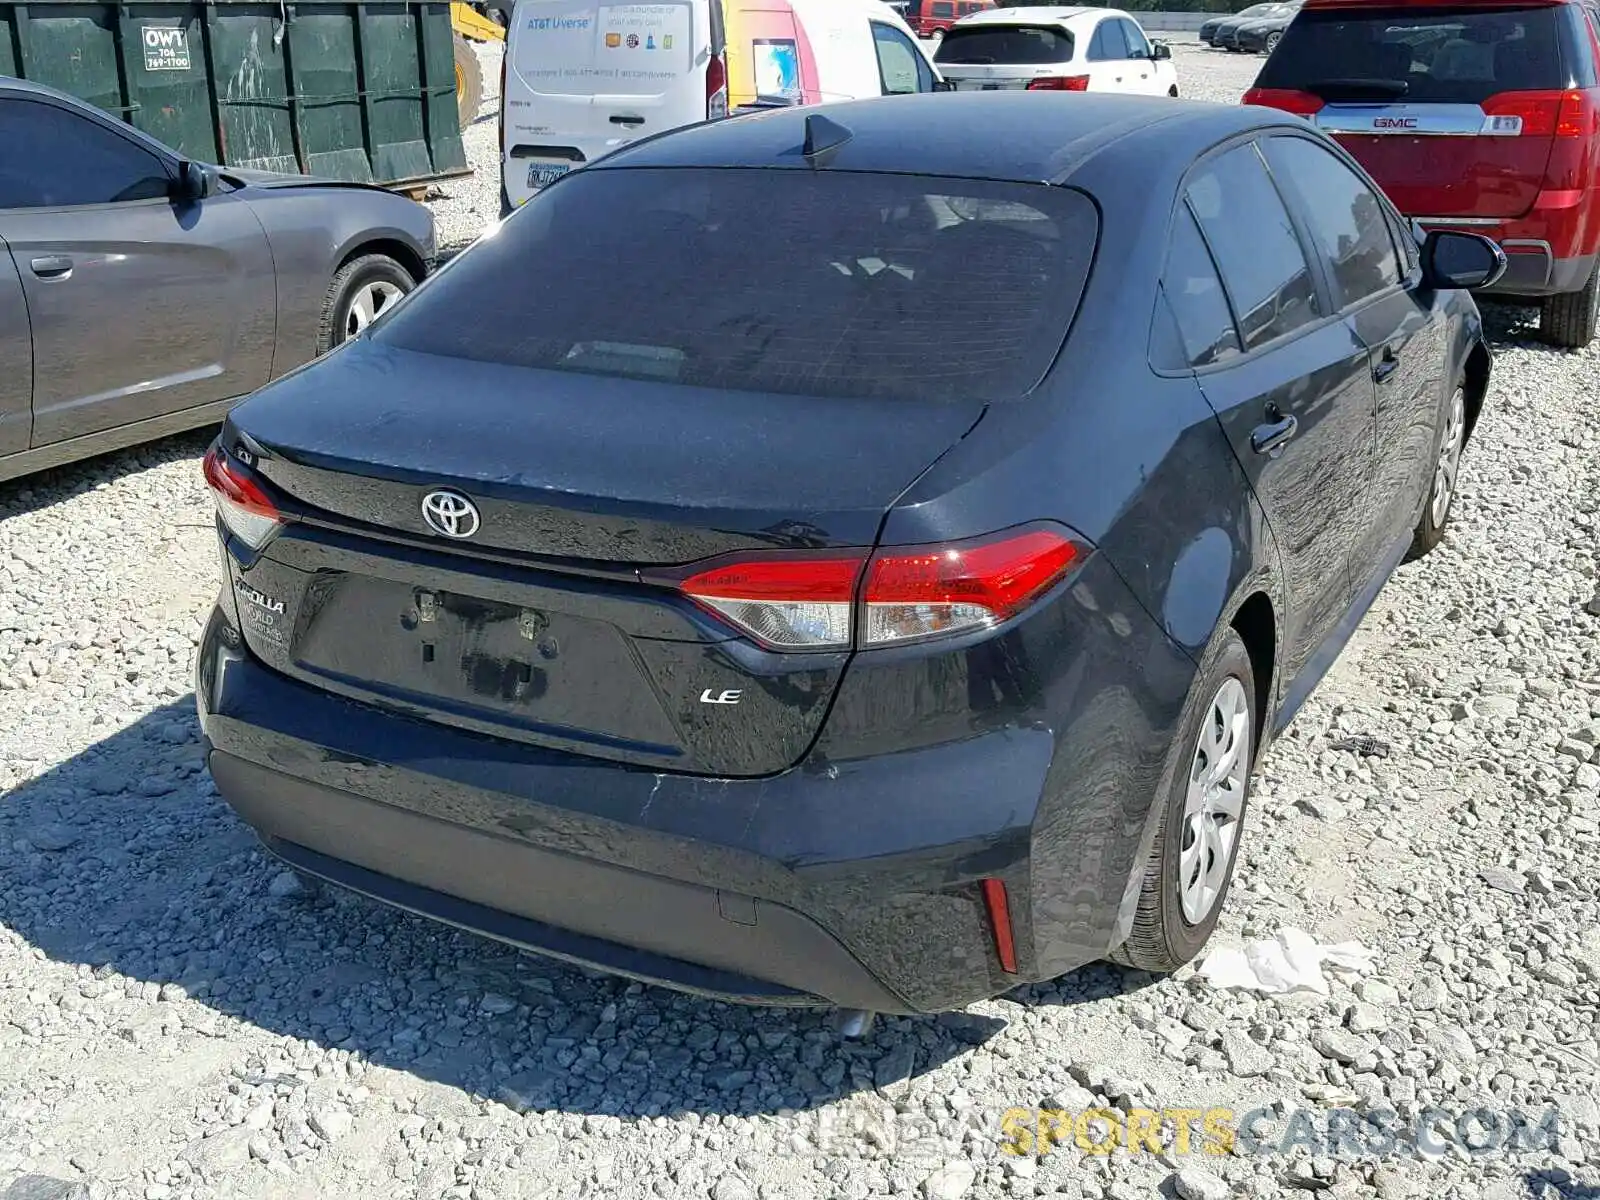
{"points": [[1471, 115]]}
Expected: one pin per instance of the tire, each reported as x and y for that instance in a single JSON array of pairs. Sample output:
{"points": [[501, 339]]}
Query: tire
{"points": [[1173, 91], [375, 277], [469, 81], [1569, 321], [1272, 42], [936, 36], [1444, 484], [1166, 932]]}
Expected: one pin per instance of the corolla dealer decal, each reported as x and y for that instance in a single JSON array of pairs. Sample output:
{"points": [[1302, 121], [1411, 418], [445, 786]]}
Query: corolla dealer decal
{"points": [[248, 593]]}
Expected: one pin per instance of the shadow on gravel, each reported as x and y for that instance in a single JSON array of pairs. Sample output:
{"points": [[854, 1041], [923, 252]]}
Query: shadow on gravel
{"points": [[1542, 1184], [125, 861], [33, 492]]}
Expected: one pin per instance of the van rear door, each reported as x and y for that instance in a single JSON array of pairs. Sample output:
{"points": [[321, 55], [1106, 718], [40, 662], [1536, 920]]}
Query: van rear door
{"points": [[584, 79]]}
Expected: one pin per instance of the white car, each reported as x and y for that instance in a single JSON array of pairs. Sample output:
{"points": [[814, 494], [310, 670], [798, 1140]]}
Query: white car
{"points": [[1055, 49]]}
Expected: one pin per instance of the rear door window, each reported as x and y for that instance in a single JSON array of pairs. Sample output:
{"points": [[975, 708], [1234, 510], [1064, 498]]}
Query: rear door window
{"points": [[1345, 217], [1108, 44], [892, 286], [1005, 45], [1197, 303], [1419, 55], [1263, 265]]}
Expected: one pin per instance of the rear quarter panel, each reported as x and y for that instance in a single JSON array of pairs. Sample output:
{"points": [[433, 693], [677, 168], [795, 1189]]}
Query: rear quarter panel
{"points": [[314, 231]]}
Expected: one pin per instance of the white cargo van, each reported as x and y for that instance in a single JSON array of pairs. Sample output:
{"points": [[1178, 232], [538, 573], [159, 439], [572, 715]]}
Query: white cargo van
{"points": [[583, 77]]}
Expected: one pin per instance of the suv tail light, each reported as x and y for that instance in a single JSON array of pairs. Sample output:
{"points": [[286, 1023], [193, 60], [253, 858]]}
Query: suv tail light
{"points": [[1302, 104], [1543, 114], [1060, 83], [896, 595], [246, 510], [717, 87]]}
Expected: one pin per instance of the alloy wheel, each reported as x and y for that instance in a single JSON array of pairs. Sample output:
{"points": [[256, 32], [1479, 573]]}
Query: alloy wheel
{"points": [[366, 304], [1444, 475], [1214, 803]]}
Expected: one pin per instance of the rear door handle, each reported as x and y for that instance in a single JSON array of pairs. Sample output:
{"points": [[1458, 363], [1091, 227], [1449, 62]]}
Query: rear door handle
{"points": [[1385, 367], [52, 266], [621, 120], [1266, 438]]}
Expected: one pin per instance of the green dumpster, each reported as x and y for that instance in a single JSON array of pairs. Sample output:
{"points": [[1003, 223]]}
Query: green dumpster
{"points": [[361, 91]]}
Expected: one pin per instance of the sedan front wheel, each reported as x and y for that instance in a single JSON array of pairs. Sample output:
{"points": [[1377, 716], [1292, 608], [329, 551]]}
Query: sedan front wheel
{"points": [[364, 289]]}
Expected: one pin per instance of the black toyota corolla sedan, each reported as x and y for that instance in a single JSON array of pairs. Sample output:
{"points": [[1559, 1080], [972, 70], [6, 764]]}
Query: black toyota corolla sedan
{"points": [[843, 557]]}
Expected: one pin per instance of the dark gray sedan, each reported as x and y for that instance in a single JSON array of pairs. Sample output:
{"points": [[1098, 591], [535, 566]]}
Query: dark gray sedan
{"points": [[140, 293]]}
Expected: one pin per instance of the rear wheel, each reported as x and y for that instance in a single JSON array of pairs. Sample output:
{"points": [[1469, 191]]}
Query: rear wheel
{"points": [[936, 36], [363, 289], [1197, 844], [1442, 492], [469, 81], [1272, 41], [1173, 91], [1569, 321]]}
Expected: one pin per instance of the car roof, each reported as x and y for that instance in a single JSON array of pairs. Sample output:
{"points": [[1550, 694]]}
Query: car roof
{"points": [[952, 134], [1036, 16], [26, 87]]}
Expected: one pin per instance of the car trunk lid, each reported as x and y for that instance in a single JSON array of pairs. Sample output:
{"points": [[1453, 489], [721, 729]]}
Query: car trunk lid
{"points": [[543, 624]]}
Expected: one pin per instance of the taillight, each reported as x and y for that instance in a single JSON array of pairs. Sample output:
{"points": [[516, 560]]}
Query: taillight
{"points": [[899, 594], [786, 603], [244, 507], [1060, 83], [1539, 114], [1302, 104], [716, 87]]}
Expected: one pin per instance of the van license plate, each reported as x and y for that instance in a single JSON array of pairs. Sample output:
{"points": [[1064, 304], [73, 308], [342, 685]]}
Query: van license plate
{"points": [[543, 174]]}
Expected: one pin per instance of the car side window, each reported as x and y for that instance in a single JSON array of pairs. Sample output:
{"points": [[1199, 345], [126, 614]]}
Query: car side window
{"points": [[55, 158], [1263, 265], [1138, 44], [1108, 45], [901, 70], [1345, 217], [1195, 298], [942, 10]]}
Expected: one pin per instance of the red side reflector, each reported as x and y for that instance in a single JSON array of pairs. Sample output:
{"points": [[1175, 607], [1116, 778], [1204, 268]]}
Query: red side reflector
{"points": [[1060, 83], [1302, 104], [994, 899]]}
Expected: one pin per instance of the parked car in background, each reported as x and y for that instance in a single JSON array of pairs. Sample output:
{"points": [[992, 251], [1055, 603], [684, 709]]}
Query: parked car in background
{"points": [[1226, 35], [717, 611], [932, 19], [1208, 30], [1471, 117], [1055, 49], [1262, 35], [582, 78], [142, 293]]}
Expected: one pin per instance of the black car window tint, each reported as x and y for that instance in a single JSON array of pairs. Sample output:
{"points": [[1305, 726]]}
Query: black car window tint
{"points": [[651, 273], [1198, 304], [1263, 266], [1344, 215], [54, 158], [1107, 45], [1006, 45], [1138, 46]]}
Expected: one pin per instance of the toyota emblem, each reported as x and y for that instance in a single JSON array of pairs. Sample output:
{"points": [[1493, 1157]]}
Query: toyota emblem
{"points": [[450, 513]]}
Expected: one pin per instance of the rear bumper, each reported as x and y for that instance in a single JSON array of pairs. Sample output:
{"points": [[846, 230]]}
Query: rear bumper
{"points": [[855, 885], [852, 879], [1537, 262]]}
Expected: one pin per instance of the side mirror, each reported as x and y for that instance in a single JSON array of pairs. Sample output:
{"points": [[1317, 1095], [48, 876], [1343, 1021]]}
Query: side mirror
{"points": [[1453, 260], [943, 85], [195, 181], [1160, 51]]}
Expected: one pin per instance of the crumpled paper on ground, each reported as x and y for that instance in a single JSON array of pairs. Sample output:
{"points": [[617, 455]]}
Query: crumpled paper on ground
{"points": [[1290, 962]]}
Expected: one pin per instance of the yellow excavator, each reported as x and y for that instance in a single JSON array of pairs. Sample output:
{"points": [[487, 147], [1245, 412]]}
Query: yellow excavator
{"points": [[473, 23]]}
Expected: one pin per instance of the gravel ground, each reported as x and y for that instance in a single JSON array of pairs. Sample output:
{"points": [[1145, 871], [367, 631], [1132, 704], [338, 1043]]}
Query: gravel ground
{"points": [[178, 1020]]}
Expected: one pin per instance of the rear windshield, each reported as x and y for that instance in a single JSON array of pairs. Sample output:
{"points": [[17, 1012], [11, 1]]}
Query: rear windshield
{"points": [[1419, 55], [808, 282], [1006, 45]]}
